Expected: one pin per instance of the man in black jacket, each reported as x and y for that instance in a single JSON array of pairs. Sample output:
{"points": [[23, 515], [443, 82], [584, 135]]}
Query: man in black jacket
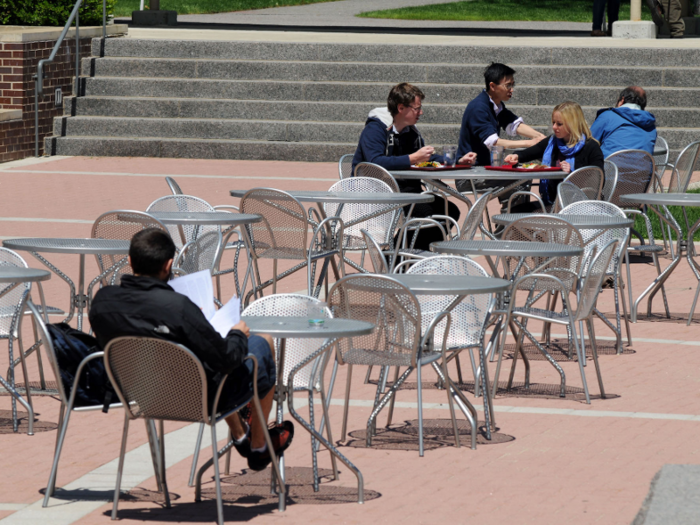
{"points": [[145, 305]]}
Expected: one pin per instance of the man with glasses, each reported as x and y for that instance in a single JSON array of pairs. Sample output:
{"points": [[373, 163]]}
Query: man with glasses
{"points": [[485, 116], [390, 139]]}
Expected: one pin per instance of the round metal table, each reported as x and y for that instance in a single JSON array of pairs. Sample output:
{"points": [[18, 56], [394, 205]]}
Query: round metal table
{"points": [[658, 202], [298, 327], [341, 197], [593, 222], [81, 247], [205, 218], [14, 276]]}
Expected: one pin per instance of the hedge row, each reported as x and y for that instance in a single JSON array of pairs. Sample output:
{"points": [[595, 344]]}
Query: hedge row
{"points": [[51, 12]]}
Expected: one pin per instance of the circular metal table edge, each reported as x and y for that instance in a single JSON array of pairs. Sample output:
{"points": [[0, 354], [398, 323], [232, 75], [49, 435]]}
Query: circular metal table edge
{"points": [[201, 219], [298, 327], [18, 274], [99, 246], [663, 199], [477, 286], [350, 197], [612, 222], [520, 249]]}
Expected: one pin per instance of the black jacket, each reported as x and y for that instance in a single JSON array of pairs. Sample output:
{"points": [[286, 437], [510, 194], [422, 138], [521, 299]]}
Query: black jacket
{"points": [[590, 154], [144, 306]]}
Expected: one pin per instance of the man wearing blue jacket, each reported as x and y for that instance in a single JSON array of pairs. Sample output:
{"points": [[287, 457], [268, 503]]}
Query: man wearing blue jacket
{"points": [[626, 126], [390, 139]]}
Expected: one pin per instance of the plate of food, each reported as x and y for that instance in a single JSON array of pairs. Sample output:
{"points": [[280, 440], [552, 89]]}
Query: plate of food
{"points": [[436, 166], [527, 166]]}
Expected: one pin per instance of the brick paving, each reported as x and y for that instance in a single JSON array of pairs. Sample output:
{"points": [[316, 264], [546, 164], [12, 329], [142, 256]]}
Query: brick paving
{"points": [[568, 462]]}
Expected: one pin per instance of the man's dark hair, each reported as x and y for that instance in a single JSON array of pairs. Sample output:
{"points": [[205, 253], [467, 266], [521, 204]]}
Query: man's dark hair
{"points": [[633, 95], [403, 93], [497, 72], [150, 249]]}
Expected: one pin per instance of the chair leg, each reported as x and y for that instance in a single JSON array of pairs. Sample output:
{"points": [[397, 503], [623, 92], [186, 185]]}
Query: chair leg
{"points": [[663, 287], [161, 462], [327, 398], [120, 467], [369, 373], [63, 419], [594, 346], [420, 409], [579, 355], [217, 478], [390, 414], [25, 375], [347, 404], [314, 458], [195, 459], [334, 463], [153, 441], [40, 364], [227, 460]]}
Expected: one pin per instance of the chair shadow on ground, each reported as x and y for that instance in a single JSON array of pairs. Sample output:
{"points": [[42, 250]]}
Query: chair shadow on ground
{"points": [[245, 496], [23, 423], [437, 433]]}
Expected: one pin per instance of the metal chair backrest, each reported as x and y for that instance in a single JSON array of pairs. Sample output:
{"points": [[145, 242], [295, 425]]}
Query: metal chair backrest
{"points": [[120, 225], [345, 166], [379, 227], [50, 352], [635, 171], [601, 237], [283, 232], [661, 160], [375, 171], [687, 162], [588, 179], [202, 254], [467, 318], [590, 288], [391, 307], [174, 186], [376, 257], [12, 301], [296, 349], [474, 218], [610, 181], [542, 228], [157, 379], [568, 193], [178, 203]]}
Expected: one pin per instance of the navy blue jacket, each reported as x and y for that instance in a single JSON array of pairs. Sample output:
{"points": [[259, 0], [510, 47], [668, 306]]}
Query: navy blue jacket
{"points": [[624, 128], [479, 123], [389, 150]]}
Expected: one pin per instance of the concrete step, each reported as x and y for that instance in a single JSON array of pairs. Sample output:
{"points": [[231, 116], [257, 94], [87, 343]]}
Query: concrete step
{"points": [[355, 112], [107, 146], [387, 53], [375, 92], [538, 75]]}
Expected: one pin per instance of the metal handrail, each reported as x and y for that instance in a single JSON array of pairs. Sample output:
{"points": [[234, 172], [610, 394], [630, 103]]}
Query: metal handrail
{"points": [[39, 77]]}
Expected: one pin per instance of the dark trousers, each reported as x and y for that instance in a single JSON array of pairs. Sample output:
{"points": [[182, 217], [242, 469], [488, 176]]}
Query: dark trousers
{"points": [[599, 10]]}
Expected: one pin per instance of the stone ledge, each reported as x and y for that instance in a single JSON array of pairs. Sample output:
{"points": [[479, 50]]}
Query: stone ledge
{"points": [[10, 114], [40, 33]]}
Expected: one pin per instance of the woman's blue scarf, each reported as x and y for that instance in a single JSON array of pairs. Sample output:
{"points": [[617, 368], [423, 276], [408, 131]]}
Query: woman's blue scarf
{"points": [[568, 152]]}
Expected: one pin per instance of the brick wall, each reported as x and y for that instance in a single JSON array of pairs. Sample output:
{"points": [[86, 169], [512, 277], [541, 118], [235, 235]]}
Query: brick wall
{"points": [[18, 63]]}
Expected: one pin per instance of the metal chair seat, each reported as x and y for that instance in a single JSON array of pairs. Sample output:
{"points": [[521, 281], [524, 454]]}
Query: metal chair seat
{"points": [[647, 248], [294, 253], [363, 356]]}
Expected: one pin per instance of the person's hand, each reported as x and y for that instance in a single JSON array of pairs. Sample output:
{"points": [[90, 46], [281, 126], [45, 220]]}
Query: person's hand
{"points": [[469, 158], [242, 327], [565, 167], [422, 155], [511, 159]]}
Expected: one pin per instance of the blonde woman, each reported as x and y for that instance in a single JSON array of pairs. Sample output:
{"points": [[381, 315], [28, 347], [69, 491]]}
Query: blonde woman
{"points": [[571, 146]]}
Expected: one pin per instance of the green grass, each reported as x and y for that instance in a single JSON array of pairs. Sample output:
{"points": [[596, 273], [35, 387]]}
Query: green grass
{"points": [[520, 10], [193, 7], [677, 212]]}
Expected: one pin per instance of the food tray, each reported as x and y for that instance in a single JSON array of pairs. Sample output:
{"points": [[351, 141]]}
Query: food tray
{"points": [[511, 168], [442, 168]]}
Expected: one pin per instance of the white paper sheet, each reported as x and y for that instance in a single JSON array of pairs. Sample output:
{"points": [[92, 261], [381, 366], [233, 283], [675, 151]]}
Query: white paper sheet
{"points": [[227, 316], [198, 287]]}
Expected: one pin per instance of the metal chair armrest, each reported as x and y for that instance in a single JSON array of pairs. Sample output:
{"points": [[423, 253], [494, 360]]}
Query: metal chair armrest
{"points": [[537, 197]]}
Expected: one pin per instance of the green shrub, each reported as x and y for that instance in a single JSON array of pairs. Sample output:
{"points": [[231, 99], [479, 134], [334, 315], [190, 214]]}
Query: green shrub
{"points": [[51, 12]]}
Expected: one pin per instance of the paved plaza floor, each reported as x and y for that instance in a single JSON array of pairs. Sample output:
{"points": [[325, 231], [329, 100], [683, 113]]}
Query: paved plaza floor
{"points": [[552, 461]]}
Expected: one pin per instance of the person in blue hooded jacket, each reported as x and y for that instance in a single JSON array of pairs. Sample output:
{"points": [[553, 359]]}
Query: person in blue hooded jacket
{"points": [[391, 140], [626, 126]]}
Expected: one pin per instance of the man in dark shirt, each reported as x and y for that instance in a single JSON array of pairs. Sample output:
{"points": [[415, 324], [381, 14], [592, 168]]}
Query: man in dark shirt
{"points": [[145, 305], [485, 116]]}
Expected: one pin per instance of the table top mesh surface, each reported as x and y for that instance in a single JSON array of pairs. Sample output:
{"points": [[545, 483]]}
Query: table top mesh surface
{"points": [[79, 246], [283, 327], [502, 248]]}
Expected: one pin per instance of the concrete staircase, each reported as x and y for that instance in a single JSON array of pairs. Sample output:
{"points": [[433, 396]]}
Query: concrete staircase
{"points": [[308, 102]]}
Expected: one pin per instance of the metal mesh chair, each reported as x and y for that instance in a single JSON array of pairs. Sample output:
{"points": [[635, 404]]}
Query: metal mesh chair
{"points": [[688, 161], [182, 234], [467, 317], [174, 186], [568, 193], [635, 172], [589, 179], [13, 298], [599, 238], [120, 225], [660, 161], [283, 235], [345, 166], [160, 380], [66, 395], [376, 256], [610, 181], [203, 253], [587, 295], [475, 218], [374, 171], [398, 340], [382, 216]]}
